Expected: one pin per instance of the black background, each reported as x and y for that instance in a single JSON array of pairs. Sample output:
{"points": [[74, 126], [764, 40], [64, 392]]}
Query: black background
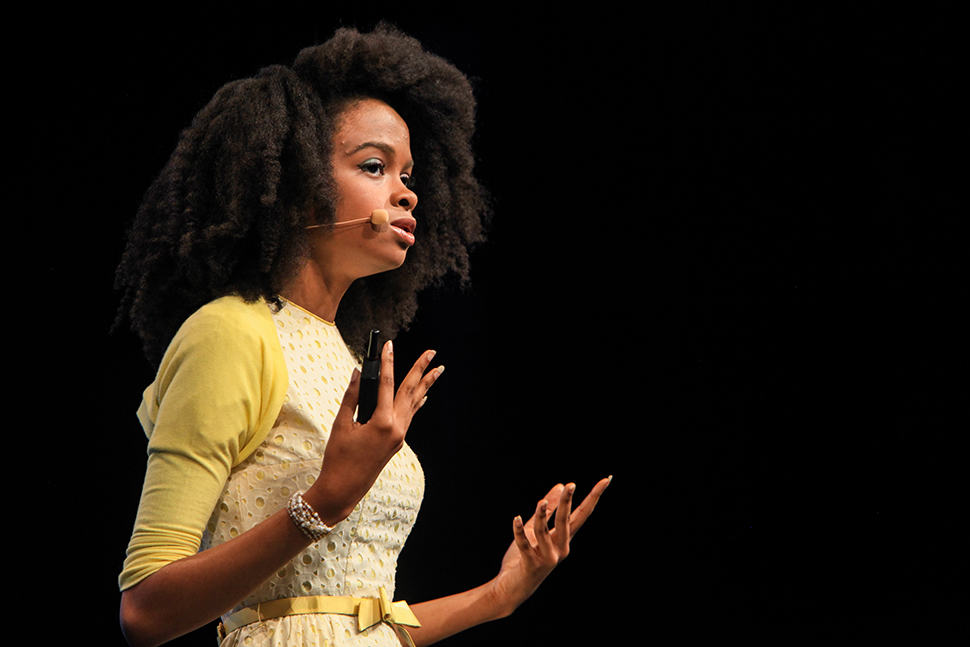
{"points": [[723, 268]]}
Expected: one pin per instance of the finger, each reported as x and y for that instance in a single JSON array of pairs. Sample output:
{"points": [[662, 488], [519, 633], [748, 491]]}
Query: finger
{"points": [[563, 511], [554, 493], [579, 516], [541, 527], [385, 389], [546, 506], [414, 388], [518, 533], [427, 381], [413, 379], [349, 402]]}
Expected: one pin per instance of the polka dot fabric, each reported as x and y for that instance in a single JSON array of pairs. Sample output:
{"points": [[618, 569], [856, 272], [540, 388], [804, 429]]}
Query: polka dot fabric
{"points": [[360, 555]]}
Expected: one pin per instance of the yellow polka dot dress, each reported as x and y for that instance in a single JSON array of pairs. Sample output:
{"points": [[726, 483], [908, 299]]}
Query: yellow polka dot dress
{"points": [[360, 555]]}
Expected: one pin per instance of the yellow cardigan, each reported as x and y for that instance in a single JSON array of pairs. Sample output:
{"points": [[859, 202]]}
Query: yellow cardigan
{"points": [[217, 393]]}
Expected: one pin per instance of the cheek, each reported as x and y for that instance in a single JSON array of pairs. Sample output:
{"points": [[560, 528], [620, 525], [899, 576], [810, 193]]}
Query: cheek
{"points": [[345, 206], [355, 199]]}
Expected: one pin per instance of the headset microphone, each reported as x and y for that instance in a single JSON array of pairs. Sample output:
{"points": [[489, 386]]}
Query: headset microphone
{"points": [[379, 221]]}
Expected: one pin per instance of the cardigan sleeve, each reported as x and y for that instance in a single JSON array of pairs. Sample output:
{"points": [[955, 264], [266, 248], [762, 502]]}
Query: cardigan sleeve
{"points": [[218, 391]]}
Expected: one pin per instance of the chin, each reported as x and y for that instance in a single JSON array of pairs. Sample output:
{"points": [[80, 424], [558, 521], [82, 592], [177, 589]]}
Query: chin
{"points": [[389, 266]]}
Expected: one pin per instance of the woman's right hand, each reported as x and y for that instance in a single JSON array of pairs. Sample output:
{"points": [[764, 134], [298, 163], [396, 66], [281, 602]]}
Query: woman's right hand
{"points": [[356, 453]]}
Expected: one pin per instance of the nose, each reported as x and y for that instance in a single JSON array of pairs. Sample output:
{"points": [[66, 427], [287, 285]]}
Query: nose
{"points": [[405, 198]]}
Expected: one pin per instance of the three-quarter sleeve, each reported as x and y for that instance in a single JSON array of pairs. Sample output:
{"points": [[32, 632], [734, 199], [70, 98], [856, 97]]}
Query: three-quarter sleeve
{"points": [[218, 391]]}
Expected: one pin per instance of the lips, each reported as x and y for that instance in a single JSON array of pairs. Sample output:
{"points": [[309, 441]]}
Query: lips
{"points": [[407, 223], [404, 228]]}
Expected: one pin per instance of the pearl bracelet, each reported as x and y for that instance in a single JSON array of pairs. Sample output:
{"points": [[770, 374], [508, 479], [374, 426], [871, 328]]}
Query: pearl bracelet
{"points": [[306, 518]]}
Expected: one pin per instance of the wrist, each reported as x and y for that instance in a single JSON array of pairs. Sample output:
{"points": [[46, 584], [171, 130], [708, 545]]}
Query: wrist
{"points": [[327, 504], [306, 518], [497, 600]]}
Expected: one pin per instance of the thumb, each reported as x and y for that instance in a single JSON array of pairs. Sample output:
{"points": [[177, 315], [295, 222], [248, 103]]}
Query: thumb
{"points": [[349, 402]]}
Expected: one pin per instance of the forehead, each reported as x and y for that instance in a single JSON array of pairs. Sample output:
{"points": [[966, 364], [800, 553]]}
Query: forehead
{"points": [[370, 119]]}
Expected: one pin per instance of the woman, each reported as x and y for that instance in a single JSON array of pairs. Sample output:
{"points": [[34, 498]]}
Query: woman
{"points": [[252, 236]]}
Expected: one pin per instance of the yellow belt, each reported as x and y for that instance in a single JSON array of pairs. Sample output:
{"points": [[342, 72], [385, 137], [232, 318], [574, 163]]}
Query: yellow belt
{"points": [[369, 612]]}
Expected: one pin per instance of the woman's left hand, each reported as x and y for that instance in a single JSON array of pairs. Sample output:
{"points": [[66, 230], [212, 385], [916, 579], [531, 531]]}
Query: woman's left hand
{"points": [[537, 549]]}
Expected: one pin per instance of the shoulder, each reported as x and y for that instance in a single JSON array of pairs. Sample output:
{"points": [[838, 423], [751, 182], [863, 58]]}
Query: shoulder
{"points": [[229, 315], [226, 353], [222, 338], [227, 325]]}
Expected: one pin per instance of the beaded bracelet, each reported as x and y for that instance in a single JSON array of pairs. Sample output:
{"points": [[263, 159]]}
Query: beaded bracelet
{"points": [[306, 518]]}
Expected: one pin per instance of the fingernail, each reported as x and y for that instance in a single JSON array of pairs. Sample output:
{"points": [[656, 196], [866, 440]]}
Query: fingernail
{"points": [[439, 371], [431, 354], [571, 488], [390, 347], [354, 376]]}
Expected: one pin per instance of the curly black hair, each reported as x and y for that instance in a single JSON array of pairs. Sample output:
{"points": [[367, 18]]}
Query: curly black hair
{"points": [[228, 212]]}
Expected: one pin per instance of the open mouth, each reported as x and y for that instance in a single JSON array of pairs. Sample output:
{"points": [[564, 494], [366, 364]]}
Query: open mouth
{"points": [[406, 224], [404, 228]]}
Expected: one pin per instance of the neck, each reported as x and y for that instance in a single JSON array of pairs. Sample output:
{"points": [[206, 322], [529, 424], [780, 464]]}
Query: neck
{"points": [[312, 289]]}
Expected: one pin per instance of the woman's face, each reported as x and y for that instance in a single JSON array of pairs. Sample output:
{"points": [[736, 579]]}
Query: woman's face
{"points": [[372, 168]]}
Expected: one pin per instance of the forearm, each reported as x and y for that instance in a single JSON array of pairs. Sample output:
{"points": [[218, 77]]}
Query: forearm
{"points": [[444, 617], [191, 592]]}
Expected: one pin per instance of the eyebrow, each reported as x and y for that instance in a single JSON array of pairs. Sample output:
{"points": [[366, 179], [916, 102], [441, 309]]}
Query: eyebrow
{"points": [[387, 149]]}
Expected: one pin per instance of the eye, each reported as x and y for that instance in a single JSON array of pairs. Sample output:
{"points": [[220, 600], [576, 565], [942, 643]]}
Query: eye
{"points": [[372, 167], [407, 180]]}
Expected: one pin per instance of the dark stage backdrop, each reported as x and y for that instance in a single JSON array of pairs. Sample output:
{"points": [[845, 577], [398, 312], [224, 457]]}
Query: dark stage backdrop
{"points": [[722, 268]]}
